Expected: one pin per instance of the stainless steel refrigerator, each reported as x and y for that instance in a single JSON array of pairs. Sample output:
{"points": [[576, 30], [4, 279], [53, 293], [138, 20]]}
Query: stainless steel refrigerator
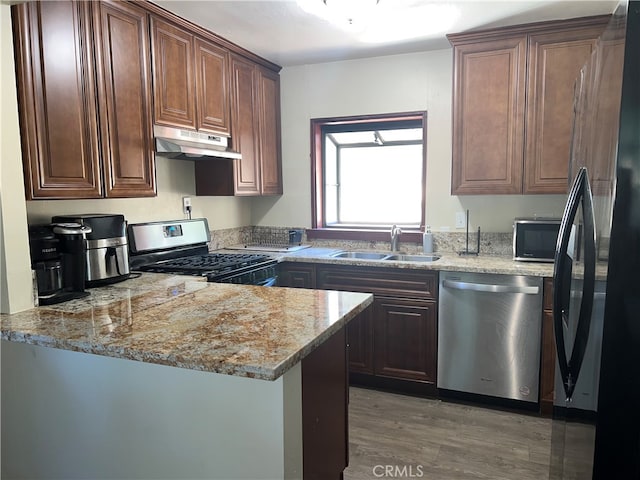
{"points": [[596, 301]]}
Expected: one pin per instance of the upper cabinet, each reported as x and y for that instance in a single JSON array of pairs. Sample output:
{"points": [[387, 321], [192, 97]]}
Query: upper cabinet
{"points": [[255, 120], [513, 105], [83, 77], [93, 77], [269, 132], [124, 85], [212, 87], [173, 76], [191, 80], [58, 117]]}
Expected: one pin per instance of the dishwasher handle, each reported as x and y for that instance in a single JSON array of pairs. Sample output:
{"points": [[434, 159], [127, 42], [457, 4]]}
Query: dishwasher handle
{"points": [[483, 287]]}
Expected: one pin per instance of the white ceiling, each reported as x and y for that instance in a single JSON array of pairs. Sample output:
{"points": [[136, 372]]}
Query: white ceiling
{"points": [[283, 33]]}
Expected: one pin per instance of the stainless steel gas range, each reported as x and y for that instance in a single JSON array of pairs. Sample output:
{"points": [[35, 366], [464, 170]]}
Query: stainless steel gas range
{"points": [[180, 247]]}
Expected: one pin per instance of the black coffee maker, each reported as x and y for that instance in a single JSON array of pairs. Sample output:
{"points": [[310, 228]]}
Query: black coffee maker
{"points": [[58, 259]]}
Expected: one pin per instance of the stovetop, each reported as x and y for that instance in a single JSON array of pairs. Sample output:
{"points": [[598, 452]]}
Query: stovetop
{"points": [[180, 247], [213, 264]]}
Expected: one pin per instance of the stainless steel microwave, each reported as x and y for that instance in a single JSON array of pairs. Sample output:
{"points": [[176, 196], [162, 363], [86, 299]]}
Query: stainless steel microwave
{"points": [[534, 239]]}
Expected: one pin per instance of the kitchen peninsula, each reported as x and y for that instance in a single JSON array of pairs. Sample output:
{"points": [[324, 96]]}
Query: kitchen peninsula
{"points": [[171, 377]]}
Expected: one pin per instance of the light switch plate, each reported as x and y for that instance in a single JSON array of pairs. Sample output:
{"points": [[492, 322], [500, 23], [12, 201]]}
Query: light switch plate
{"points": [[461, 219]]}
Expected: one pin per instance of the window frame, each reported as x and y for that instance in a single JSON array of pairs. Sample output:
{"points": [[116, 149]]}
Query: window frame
{"points": [[318, 230]]}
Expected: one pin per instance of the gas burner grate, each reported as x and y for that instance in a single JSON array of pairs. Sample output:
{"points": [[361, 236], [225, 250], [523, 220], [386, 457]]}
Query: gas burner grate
{"points": [[216, 263]]}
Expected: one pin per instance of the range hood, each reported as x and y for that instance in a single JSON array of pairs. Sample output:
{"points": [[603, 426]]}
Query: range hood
{"points": [[189, 145]]}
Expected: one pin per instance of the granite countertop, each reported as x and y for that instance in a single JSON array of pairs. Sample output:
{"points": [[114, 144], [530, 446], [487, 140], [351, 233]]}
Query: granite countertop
{"points": [[447, 262], [185, 322]]}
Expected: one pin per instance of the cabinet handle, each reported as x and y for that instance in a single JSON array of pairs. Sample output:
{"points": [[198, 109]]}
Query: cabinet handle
{"points": [[483, 287]]}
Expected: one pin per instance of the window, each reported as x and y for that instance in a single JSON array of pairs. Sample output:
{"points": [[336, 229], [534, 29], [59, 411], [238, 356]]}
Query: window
{"points": [[368, 174]]}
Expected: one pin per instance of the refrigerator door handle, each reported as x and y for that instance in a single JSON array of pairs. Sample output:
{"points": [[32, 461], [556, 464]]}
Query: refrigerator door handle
{"points": [[588, 284], [570, 368]]}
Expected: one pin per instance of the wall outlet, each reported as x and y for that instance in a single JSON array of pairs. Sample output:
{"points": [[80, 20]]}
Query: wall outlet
{"points": [[186, 204], [461, 219]]}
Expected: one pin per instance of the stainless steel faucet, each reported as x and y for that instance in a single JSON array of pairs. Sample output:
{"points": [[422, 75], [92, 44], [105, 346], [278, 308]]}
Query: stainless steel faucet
{"points": [[395, 237]]}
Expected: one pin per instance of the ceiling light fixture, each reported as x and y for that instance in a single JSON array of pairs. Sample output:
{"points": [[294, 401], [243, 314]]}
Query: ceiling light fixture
{"points": [[351, 10], [350, 15]]}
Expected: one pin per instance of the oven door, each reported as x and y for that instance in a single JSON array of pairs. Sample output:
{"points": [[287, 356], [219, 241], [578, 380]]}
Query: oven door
{"points": [[264, 276]]}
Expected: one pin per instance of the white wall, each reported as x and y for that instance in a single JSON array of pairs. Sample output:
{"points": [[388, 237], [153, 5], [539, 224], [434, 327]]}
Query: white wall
{"points": [[399, 83], [175, 179], [14, 245]]}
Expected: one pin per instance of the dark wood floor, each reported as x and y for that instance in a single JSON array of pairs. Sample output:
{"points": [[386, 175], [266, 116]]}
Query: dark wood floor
{"points": [[437, 440]]}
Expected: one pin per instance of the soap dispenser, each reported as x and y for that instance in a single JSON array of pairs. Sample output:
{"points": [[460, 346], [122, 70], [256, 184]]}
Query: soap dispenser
{"points": [[427, 240]]}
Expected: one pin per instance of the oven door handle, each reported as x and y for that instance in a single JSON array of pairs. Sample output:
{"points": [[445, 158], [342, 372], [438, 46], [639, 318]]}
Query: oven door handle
{"points": [[268, 282]]}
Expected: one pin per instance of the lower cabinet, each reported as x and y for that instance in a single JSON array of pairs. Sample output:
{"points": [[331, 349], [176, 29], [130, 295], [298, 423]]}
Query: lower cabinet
{"points": [[296, 275], [394, 342], [325, 397], [406, 339]]}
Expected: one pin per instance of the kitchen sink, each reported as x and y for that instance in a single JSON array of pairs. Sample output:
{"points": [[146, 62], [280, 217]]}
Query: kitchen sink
{"points": [[361, 255], [412, 258], [399, 257]]}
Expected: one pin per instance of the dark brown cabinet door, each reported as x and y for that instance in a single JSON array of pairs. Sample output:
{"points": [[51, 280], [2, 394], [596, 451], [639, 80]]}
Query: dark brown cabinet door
{"points": [[255, 133], [555, 60], [173, 82], [269, 132], [56, 95], [488, 112], [245, 127], [513, 105], [125, 70], [212, 88], [360, 338], [296, 275], [325, 412], [405, 339], [394, 340]]}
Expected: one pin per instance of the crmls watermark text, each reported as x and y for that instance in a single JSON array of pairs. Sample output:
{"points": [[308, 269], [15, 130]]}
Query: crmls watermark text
{"points": [[398, 471]]}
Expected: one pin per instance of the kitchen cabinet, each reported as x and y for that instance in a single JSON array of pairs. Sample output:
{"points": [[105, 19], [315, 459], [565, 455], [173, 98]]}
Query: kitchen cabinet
{"points": [[191, 80], [296, 275], [255, 117], [359, 330], [406, 335], [125, 86], [83, 77], [397, 344], [360, 337], [173, 76], [269, 131], [548, 362], [513, 105], [325, 410]]}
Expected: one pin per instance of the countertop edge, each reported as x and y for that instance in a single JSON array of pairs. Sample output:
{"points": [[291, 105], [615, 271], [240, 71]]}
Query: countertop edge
{"points": [[168, 359]]}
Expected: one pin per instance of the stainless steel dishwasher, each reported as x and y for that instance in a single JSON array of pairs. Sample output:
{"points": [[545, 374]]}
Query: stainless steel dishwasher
{"points": [[489, 329]]}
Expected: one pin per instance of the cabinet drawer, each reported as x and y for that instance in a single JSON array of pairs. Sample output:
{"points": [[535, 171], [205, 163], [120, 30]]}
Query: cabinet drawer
{"points": [[380, 281]]}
